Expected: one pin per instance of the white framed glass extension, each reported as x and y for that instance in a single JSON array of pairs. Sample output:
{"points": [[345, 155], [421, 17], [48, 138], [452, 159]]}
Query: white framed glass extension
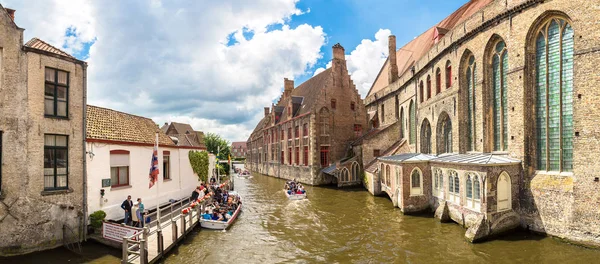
{"points": [[473, 190]]}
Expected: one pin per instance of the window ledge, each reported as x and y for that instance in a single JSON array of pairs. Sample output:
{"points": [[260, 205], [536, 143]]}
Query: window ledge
{"points": [[120, 187], [167, 180], [56, 192], [554, 173], [416, 195], [57, 117]]}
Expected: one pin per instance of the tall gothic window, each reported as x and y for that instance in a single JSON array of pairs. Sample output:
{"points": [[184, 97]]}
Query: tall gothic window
{"points": [[401, 123], [426, 137], [500, 118], [554, 97], [411, 122], [471, 126], [421, 94], [428, 87], [448, 74], [444, 134], [438, 81]]}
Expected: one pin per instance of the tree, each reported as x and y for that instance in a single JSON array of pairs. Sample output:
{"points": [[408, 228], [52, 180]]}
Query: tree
{"points": [[218, 146], [199, 162]]}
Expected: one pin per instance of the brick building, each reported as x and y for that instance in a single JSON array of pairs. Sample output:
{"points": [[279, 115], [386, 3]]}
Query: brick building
{"points": [[310, 127], [238, 150], [504, 94], [42, 130], [184, 135]]}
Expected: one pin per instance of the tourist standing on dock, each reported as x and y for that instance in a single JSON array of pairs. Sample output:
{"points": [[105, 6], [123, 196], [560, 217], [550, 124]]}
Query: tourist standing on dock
{"points": [[143, 217], [135, 216], [126, 205]]}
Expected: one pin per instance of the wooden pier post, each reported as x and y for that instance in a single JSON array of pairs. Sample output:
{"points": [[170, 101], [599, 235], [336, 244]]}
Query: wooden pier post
{"points": [[125, 256], [174, 230]]}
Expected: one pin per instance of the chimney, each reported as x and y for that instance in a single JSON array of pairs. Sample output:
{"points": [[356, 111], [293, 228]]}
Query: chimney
{"points": [[266, 111], [338, 52], [393, 67], [11, 13], [288, 86]]}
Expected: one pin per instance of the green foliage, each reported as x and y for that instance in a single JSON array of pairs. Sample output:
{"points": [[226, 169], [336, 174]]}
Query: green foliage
{"points": [[199, 162], [220, 147], [96, 219]]}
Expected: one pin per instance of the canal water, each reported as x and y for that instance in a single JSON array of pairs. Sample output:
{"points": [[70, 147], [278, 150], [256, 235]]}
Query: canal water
{"points": [[352, 226], [336, 226]]}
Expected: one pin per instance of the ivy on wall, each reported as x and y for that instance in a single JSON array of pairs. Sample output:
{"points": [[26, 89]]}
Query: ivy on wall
{"points": [[199, 162]]}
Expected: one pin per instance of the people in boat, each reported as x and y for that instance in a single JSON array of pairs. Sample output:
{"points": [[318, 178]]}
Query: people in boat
{"points": [[206, 215]]}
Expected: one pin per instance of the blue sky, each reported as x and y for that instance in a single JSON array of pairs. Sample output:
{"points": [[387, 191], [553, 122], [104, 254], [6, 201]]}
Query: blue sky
{"points": [[216, 64]]}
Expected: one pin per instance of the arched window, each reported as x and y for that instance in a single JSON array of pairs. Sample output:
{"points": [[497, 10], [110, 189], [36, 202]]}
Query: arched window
{"points": [[401, 123], [416, 182], [471, 115], [421, 95], [473, 191], [438, 81], [500, 116], [355, 171], [448, 74], [554, 96], [453, 186], [411, 123], [426, 137], [444, 134], [387, 175], [428, 86], [504, 199]]}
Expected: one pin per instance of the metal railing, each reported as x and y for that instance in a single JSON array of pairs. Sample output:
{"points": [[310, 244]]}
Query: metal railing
{"points": [[136, 246]]}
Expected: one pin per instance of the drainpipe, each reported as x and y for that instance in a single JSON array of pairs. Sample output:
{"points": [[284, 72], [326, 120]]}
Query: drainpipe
{"points": [[84, 218]]}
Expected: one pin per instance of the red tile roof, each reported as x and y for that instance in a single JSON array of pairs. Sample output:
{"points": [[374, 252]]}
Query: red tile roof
{"points": [[407, 55], [39, 44]]}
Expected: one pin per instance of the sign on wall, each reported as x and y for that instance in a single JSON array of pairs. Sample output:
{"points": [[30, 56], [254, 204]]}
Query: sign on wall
{"points": [[105, 182], [116, 232]]}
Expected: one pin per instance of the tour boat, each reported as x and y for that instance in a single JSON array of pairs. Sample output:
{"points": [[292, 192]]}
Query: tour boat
{"points": [[244, 175], [294, 196], [220, 225]]}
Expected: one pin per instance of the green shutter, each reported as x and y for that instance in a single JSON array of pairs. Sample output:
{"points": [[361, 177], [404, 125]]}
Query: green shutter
{"points": [[497, 90], [567, 99], [541, 101]]}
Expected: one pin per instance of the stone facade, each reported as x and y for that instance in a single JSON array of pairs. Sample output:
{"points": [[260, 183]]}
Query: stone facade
{"points": [[561, 203], [34, 216], [310, 127]]}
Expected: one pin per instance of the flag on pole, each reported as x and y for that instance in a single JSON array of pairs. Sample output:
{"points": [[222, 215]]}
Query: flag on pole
{"points": [[154, 166], [229, 159]]}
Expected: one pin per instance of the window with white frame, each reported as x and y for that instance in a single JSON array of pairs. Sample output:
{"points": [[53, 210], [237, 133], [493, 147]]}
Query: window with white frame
{"points": [[416, 182], [473, 190], [453, 186], [119, 168]]}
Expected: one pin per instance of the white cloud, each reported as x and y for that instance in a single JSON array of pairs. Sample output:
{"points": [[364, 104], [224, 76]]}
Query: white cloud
{"points": [[365, 61], [172, 62]]}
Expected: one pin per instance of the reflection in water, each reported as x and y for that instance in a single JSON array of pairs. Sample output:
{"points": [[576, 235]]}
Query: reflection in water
{"points": [[351, 226]]}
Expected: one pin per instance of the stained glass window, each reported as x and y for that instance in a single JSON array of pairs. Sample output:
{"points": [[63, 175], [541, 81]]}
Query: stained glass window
{"points": [[471, 80], [499, 69], [554, 98]]}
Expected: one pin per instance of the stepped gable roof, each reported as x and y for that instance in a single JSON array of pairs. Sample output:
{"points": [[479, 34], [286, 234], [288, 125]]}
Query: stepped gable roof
{"points": [[108, 124], [36, 43], [309, 90], [407, 55], [476, 159]]}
